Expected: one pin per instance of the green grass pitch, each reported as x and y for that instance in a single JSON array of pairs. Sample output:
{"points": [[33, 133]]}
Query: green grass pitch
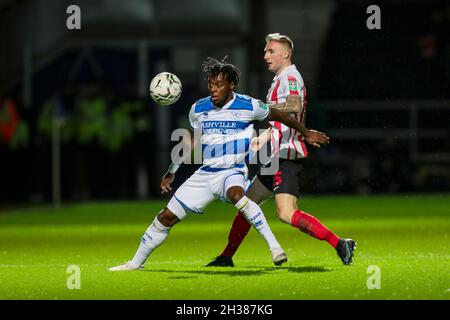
{"points": [[407, 237]]}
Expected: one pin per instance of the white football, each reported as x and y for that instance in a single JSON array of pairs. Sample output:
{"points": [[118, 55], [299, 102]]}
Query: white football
{"points": [[165, 88]]}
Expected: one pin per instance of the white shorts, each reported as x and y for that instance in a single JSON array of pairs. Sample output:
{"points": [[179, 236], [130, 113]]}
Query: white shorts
{"points": [[203, 187]]}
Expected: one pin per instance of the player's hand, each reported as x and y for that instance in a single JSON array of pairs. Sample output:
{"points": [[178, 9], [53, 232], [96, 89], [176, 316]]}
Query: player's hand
{"points": [[258, 142], [255, 144], [316, 138], [166, 181]]}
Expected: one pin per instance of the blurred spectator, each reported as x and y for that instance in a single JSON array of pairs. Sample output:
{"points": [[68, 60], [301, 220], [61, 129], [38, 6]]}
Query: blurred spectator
{"points": [[14, 131]]}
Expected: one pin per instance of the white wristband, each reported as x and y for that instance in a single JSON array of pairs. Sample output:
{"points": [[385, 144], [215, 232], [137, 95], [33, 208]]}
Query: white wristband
{"points": [[173, 168]]}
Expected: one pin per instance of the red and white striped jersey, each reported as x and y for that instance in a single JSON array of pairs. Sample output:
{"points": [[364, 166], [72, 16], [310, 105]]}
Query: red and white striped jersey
{"points": [[288, 143]]}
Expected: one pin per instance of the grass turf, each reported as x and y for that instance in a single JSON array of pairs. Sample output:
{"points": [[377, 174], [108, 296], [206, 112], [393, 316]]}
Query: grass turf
{"points": [[405, 236]]}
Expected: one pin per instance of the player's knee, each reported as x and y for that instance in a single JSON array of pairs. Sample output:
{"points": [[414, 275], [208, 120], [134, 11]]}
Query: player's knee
{"points": [[167, 218], [285, 214], [235, 194]]}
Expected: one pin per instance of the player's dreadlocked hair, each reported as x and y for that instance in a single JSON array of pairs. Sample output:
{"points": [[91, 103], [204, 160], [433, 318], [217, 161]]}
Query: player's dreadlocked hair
{"points": [[213, 67]]}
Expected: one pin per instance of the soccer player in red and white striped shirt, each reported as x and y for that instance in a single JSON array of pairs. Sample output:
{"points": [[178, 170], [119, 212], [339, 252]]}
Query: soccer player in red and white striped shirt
{"points": [[289, 146]]}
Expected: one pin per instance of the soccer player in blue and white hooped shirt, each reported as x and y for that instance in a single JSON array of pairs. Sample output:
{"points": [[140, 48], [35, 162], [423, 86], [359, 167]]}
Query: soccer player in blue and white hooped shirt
{"points": [[225, 120]]}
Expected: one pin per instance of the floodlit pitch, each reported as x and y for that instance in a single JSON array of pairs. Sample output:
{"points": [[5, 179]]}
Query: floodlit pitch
{"points": [[403, 253]]}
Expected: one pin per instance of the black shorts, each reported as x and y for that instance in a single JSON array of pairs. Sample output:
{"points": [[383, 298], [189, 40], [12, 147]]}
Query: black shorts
{"points": [[286, 180]]}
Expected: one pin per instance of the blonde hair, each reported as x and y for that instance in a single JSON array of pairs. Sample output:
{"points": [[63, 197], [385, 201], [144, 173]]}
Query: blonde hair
{"points": [[280, 38]]}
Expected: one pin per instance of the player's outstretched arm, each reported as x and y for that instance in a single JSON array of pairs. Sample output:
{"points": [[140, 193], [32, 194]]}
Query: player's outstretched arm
{"points": [[313, 137], [169, 176], [292, 104]]}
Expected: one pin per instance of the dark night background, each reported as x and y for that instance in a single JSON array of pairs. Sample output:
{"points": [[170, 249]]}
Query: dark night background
{"points": [[383, 96]]}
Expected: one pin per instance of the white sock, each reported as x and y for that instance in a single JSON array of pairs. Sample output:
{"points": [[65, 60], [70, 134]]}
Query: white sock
{"points": [[256, 218], [152, 238]]}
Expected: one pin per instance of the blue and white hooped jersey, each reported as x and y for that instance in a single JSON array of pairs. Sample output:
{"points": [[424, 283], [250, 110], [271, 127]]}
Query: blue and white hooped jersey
{"points": [[226, 131]]}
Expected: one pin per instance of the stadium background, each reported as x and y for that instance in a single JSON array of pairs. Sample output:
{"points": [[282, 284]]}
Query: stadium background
{"points": [[382, 95]]}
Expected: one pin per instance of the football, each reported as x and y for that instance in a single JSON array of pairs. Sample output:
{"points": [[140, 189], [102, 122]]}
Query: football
{"points": [[165, 88]]}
